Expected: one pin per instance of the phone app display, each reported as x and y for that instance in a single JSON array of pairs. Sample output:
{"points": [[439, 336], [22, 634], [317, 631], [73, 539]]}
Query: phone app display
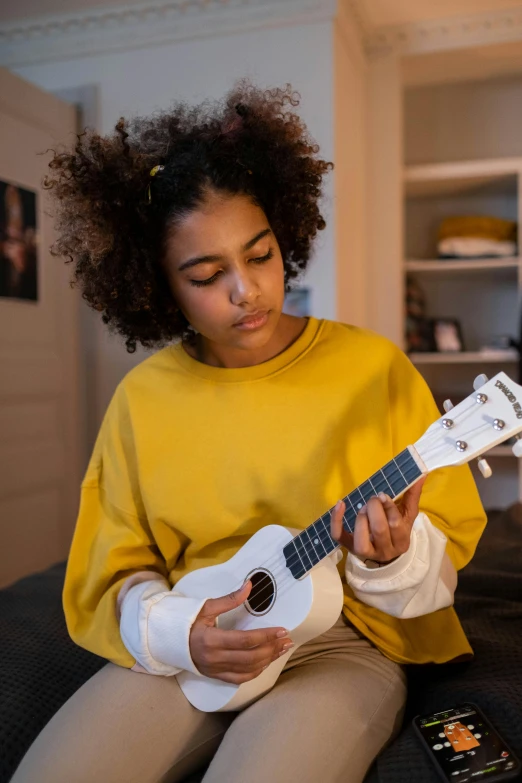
{"points": [[465, 746]]}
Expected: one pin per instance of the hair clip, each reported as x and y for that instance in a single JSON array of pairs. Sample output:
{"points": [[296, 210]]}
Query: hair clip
{"points": [[153, 173], [248, 171]]}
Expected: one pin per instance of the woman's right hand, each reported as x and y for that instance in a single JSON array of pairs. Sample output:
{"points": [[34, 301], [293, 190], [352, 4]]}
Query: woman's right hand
{"points": [[233, 656]]}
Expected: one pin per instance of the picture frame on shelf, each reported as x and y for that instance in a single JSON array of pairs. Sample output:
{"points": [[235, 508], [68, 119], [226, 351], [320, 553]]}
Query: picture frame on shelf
{"points": [[447, 335], [419, 335]]}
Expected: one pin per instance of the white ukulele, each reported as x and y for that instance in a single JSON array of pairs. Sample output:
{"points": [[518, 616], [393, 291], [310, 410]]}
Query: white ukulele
{"points": [[295, 582]]}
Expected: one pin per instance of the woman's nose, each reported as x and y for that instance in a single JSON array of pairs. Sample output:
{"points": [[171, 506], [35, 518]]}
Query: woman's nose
{"points": [[244, 289]]}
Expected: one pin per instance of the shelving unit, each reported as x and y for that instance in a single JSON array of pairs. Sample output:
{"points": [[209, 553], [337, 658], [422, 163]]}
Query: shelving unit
{"points": [[485, 295], [464, 267], [466, 357]]}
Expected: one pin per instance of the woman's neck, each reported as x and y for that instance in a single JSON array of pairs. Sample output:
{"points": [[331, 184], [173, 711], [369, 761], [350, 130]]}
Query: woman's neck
{"points": [[289, 328]]}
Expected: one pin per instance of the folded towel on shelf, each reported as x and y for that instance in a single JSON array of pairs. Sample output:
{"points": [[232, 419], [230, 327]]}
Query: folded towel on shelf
{"points": [[476, 236], [475, 247]]}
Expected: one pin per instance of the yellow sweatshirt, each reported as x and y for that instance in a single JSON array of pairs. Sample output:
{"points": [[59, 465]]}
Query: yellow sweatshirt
{"points": [[192, 460]]}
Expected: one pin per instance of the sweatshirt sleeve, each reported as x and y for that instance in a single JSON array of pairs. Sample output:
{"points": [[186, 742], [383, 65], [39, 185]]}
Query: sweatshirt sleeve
{"points": [[420, 581], [112, 539], [450, 521], [155, 623]]}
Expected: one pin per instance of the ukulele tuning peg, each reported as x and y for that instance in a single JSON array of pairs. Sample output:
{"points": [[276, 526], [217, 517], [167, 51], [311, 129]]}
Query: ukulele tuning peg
{"points": [[484, 468], [479, 381], [447, 405], [517, 448]]}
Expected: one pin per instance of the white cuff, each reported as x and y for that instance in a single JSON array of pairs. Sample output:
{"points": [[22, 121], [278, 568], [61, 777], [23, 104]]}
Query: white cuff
{"points": [[171, 617], [136, 579], [155, 625], [420, 581]]}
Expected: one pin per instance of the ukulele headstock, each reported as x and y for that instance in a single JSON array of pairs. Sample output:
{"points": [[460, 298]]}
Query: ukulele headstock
{"points": [[489, 416]]}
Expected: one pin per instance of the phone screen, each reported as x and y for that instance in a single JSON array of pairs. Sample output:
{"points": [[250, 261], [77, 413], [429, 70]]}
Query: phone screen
{"points": [[465, 745]]}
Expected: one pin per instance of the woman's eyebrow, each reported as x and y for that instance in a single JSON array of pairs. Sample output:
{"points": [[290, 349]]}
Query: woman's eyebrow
{"points": [[206, 259]]}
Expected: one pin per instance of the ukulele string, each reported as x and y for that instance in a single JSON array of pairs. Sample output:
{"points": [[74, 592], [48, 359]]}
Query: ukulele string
{"points": [[280, 572], [279, 569], [464, 416], [443, 446], [275, 561]]}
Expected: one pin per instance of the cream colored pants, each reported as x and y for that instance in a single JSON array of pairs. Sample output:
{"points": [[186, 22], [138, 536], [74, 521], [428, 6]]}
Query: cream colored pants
{"points": [[338, 702]]}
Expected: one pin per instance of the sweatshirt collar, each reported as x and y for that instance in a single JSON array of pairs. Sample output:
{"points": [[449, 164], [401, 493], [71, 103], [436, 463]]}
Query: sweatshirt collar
{"points": [[257, 371]]}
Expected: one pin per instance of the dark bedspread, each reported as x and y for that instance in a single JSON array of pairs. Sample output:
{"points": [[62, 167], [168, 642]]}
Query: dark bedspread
{"points": [[40, 667], [489, 603]]}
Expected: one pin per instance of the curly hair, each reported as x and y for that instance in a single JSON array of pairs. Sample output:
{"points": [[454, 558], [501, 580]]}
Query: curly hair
{"points": [[113, 218]]}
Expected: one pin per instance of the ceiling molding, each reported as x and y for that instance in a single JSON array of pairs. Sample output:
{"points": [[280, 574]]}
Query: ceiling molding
{"points": [[68, 36], [437, 35]]}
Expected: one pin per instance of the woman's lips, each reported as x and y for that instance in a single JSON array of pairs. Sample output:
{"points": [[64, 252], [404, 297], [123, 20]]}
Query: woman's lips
{"points": [[255, 321]]}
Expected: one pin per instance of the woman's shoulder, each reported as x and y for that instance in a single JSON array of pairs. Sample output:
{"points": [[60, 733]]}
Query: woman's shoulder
{"points": [[348, 337], [150, 375]]}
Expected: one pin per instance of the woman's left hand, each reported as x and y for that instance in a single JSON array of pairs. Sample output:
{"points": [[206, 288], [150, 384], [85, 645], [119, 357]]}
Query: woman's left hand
{"points": [[382, 528]]}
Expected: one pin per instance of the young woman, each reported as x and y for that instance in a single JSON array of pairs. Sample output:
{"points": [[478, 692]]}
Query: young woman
{"points": [[184, 229]]}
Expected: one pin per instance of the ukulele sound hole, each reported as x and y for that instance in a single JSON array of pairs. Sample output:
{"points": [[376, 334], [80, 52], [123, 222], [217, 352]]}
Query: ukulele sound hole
{"points": [[263, 592]]}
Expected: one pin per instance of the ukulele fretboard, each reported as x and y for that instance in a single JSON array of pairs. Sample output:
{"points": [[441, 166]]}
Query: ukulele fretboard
{"points": [[315, 542]]}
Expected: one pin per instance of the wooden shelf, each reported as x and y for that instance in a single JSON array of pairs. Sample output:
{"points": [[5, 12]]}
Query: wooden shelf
{"points": [[464, 357], [456, 265], [461, 176]]}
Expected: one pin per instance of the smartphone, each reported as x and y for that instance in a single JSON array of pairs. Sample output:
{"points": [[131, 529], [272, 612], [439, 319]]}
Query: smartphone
{"points": [[464, 746]]}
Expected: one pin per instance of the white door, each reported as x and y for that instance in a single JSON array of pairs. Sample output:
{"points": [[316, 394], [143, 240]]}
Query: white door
{"points": [[40, 425]]}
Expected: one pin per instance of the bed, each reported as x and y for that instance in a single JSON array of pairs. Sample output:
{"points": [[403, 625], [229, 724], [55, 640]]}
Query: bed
{"points": [[40, 667]]}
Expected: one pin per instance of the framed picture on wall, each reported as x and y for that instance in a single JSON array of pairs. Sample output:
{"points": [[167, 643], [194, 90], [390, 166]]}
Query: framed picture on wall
{"points": [[18, 242], [447, 335]]}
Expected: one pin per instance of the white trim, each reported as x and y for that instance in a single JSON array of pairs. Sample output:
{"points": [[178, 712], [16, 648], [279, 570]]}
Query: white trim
{"points": [[434, 35], [67, 36]]}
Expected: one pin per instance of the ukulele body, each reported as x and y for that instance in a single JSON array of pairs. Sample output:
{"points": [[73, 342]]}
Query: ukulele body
{"points": [[306, 607]]}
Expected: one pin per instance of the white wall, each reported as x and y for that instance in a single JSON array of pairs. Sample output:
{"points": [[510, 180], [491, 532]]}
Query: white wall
{"points": [[140, 81]]}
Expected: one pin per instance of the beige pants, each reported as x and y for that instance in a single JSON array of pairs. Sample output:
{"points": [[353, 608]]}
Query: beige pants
{"points": [[337, 703]]}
